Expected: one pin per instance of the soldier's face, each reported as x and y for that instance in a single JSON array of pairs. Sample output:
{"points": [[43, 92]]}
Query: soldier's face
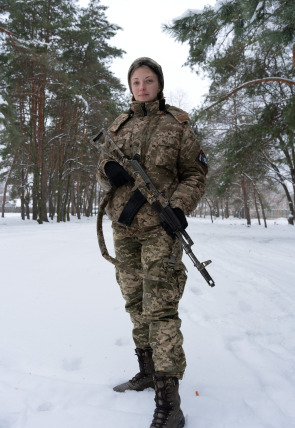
{"points": [[144, 84]]}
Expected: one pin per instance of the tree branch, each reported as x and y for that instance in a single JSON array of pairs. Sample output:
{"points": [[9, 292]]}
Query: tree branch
{"points": [[15, 43], [252, 82]]}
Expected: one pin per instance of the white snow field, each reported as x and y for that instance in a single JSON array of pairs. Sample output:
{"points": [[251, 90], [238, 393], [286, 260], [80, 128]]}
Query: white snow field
{"points": [[65, 339]]}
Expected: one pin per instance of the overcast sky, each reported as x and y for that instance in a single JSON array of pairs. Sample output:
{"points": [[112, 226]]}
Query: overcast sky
{"points": [[141, 22]]}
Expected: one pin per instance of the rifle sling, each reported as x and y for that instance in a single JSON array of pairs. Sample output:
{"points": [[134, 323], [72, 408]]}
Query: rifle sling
{"points": [[104, 251], [131, 208]]}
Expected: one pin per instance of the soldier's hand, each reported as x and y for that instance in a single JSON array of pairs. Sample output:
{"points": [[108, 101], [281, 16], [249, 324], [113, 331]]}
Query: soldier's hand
{"points": [[181, 217]]}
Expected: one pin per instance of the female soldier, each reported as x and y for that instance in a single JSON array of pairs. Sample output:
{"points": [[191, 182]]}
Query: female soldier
{"points": [[160, 136]]}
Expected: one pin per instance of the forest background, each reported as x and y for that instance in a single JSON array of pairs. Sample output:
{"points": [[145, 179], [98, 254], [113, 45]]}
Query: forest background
{"points": [[58, 90]]}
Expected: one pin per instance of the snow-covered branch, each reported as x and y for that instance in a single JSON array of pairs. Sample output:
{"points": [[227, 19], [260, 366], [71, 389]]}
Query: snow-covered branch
{"points": [[250, 83], [15, 42]]}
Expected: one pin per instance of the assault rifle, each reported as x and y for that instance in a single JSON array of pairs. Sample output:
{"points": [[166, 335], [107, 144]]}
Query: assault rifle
{"points": [[158, 202]]}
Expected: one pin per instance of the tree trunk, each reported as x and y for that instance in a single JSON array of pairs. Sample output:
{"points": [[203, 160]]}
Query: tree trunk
{"points": [[211, 209], [22, 172], [67, 197], [260, 201], [226, 211], [256, 206], [245, 197], [90, 201], [216, 208], [7, 180], [73, 200], [22, 196], [34, 197], [34, 152], [27, 206], [41, 162], [286, 190], [78, 206], [59, 200]]}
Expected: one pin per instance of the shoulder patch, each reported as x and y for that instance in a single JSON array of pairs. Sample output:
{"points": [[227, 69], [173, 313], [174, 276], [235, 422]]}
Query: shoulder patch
{"points": [[119, 121], [184, 117], [180, 115], [202, 158]]}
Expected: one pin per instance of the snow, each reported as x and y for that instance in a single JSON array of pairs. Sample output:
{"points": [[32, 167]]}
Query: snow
{"points": [[187, 14], [66, 339], [79, 97], [2, 102]]}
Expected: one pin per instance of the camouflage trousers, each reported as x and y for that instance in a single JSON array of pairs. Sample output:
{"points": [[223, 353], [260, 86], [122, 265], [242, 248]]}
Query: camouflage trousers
{"points": [[152, 298]]}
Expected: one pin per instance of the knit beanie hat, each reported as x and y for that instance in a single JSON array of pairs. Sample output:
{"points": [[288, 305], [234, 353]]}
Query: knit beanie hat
{"points": [[153, 65]]}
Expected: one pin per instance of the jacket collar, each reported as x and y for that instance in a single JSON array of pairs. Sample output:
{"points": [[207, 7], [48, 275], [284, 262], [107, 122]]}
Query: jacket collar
{"points": [[147, 109]]}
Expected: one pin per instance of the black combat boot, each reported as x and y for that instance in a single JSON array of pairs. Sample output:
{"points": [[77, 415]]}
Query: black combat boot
{"points": [[143, 379], [167, 413]]}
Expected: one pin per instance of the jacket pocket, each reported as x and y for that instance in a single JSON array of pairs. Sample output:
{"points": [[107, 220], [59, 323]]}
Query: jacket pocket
{"points": [[167, 154]]}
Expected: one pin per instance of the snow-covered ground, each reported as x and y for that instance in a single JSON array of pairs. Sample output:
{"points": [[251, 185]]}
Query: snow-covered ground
{"points": [[65, 339]]}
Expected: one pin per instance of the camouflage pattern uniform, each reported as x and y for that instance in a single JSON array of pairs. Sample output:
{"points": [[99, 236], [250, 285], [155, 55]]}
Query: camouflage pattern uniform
{"points": [[170, 155]]}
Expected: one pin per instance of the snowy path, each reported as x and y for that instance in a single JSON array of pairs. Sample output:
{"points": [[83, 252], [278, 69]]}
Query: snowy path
{"points": [[65, 339]]}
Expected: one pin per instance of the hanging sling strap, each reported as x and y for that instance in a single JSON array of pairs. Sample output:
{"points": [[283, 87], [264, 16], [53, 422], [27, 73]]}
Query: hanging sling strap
{"points": [[103, 248]]}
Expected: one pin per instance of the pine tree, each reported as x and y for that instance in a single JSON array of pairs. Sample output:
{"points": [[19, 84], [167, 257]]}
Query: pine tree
{"points": [[238, 44], [55, 61]]}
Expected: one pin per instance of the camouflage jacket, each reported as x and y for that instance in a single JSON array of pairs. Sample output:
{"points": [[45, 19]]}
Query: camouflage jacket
{"points": [[169, 153]]}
